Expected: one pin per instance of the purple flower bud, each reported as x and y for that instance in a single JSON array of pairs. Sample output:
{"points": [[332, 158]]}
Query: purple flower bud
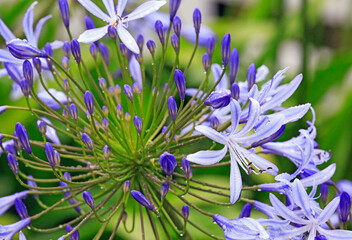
{"points": [[105, 110], [23, 50], [225, 48], [167, 163], [159, 30], [151, 47], [76, 50], [89, 101], [87, 141], [136, 88], [197, 20], [28, 72], [123, 50], [186, 166], [48, 49], [105, 53], [119, 111], [246, 211], [128, 92], [102, 83], [26, 89], [139, 58], [33, 184], [37, 64], [324, 191], [206, 61], [21, 208], [67, 176], [235, 91], [75, 235], [180, 82], [50, 154], [140, 42], [13, 164], [93, 50], [177, 24], [117, 89], [65, 114], [22, 135], [65, 12], [127, 116], [214, 122], [138, 124], [344, 206], [65, 63], [66, 85], [233, 65], [112, 32], [218, 99], [73, 112], [210, 46], [111, 91], [175, 43], [185, 212], [66, 48], [172, 108], [320, 237], [57, 158], [126, 186], [42, 127], [251, 76], [164, 190], [88, 199], [106, 152], [174, 5], [89, 23], [141, 199], [105, 124]]}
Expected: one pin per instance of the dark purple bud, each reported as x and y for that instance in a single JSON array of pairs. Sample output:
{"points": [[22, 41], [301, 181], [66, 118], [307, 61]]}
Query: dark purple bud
{"points": [[26, 89], [105, 53], [112, 32], [65, 12], [66, 48], [225, 49], [50, 154], [175, 43], [13, 164], [67, 176], [126, 186], [119, 111], [206, 61], [76, 50], [22, 135], [197, 20], [37, 64], [233, 65], [140, 42], [42, 127], [141, 199], [93, 50], [105, 124], [320, 237], [186, 166], [159, 30], [21, 208], [33, 184], [235, 91], [123, 50], [128, 92], [167, 163], [102, 83], [23, 50], [73, 112], [174, 5], [88, 199], [65, 63], [251, 76], [344, 206], [75, 235], [16, 142], [151, 47], [89, 101], [66, 85], [87, 141], [324, 192], [218, 99], [106, 152], [214, 122], [246, 211], [138, 124], [211, 46], [180, 82], [28, 72], [89, 23], [105, 110], [171, 103], [48, 49], [164, 190], [185, 212], [177, 24]]}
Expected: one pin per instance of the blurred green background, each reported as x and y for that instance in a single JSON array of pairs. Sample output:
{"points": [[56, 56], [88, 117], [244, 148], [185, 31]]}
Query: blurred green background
{"points": [[312, 37]]}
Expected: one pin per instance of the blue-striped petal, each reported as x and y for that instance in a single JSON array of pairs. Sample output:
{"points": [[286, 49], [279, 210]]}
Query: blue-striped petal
{"points": [[127, 39], [39, 27], [212, 134], [207, 157], [328, 211], [235, 179], [109, 5], [135, 70], [5, 32], [301, 198], [253, 117], [145, 9], [28, 24], [93, 35], [93, 9]]}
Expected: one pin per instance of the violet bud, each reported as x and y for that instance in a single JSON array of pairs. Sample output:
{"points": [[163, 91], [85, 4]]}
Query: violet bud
{"points": [[66, 85], [106, 152], [88, 199], [128, 92], [235, 91], [211, 46], [26, 89], [112, 32], [167, 163], [105, 124], [123, 50], [65, 12], [13, 163], [246, 211], [89, 23], [57, 158], [138, 124], [75, 235], [111, 91], [22, 135], [136, 88], [65, 63], [127, 116], [233, 65], [177, 24], [175, 43], [324, 192], [344, 206], [180, 82], [320, 237], [126, 186], [66, 48], [186, 166], [50, 154], [214, 122], [89, 101], [21, 208], [140, 42], [87, 141], [141, 199], [119, 111], [151, 47], [174, 5], [76, 50], [102, 83], [206, 61], [42, 127], [22, 49], [218, 99], [251, 76], [117, 89], [37, 65], [33, 184], [67, 176], [159, 30], [105, 53], [139, 58], [65, 113], [93, 50], [73, 112], [185, 212], [225, 48], [172, 108], [197, 20], [164, 190], [49, 50], [28, 72], [105, 110]]}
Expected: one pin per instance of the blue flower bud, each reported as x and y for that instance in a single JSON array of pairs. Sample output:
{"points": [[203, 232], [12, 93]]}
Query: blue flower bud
{"points": [[73, 112], [88, 199], [65, 63], [126, 186], [112, 32], [320, 237], [123, 50], [93, 50], [13, 164], [225, 48], [324, 192], [119, 111], [214, 122], [57, 158], [37, 64], [66, 85], [151, 46], [89, 22], [23, 50], [251, 76], [117, 89], [33, 184], [175, 43], [141, 199], [89, 101], [159, 30], [344, 206], [28, 72], [246, 211], [139, 58], [235, 91], [21, 208], [210, 46], [128, 92], [16, 142], [65, 12], [127, 116], [171, 103], [206, 61], [87, 141], [140, 42], [106, 152], [138, 124], [218, 99], [177, 24], [185, 212], [186, 166], [105, 110], [197, 20], [65, 114], [180, 82], [102, 83], [233, 65], [26, 89], [50, 154], [111, 91], [167, 163], [49, 50], [174, 5], [75, 235], [67, 176], [22, 135], [164, 190], [42, 127], [136, 88], [76, 50], [66, 48], [105, 53], [105, 124]]}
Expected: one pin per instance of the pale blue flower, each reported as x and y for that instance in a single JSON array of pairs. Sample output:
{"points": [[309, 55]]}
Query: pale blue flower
{"points": [[49, 101], [8, 231], [8, 201]]}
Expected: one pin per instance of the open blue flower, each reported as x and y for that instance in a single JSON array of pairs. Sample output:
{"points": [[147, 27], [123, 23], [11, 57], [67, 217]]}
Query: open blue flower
{"points": [[8, 231], [8, 201]]}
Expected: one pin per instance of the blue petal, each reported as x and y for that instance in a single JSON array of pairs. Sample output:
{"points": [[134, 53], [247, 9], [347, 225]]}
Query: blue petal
{"points": [[127, 39], [260, 162], [8, 201], [6, 56], [335, 234], [216, 69], [328, 211], [135, 70], [319, 177], [5, 32], [8, 231], [212, 134], [109, 5], [301, 198], [293, 114], [39, 27], [50, 132], [204, 34], [235, 115], [93, 9], [49, 101], [192, 91], [253, 117], [207, 157], [28, 25], [290, 233], [93, 35], [145, 9], [235, 179], [262, 72], [121, 4]]}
